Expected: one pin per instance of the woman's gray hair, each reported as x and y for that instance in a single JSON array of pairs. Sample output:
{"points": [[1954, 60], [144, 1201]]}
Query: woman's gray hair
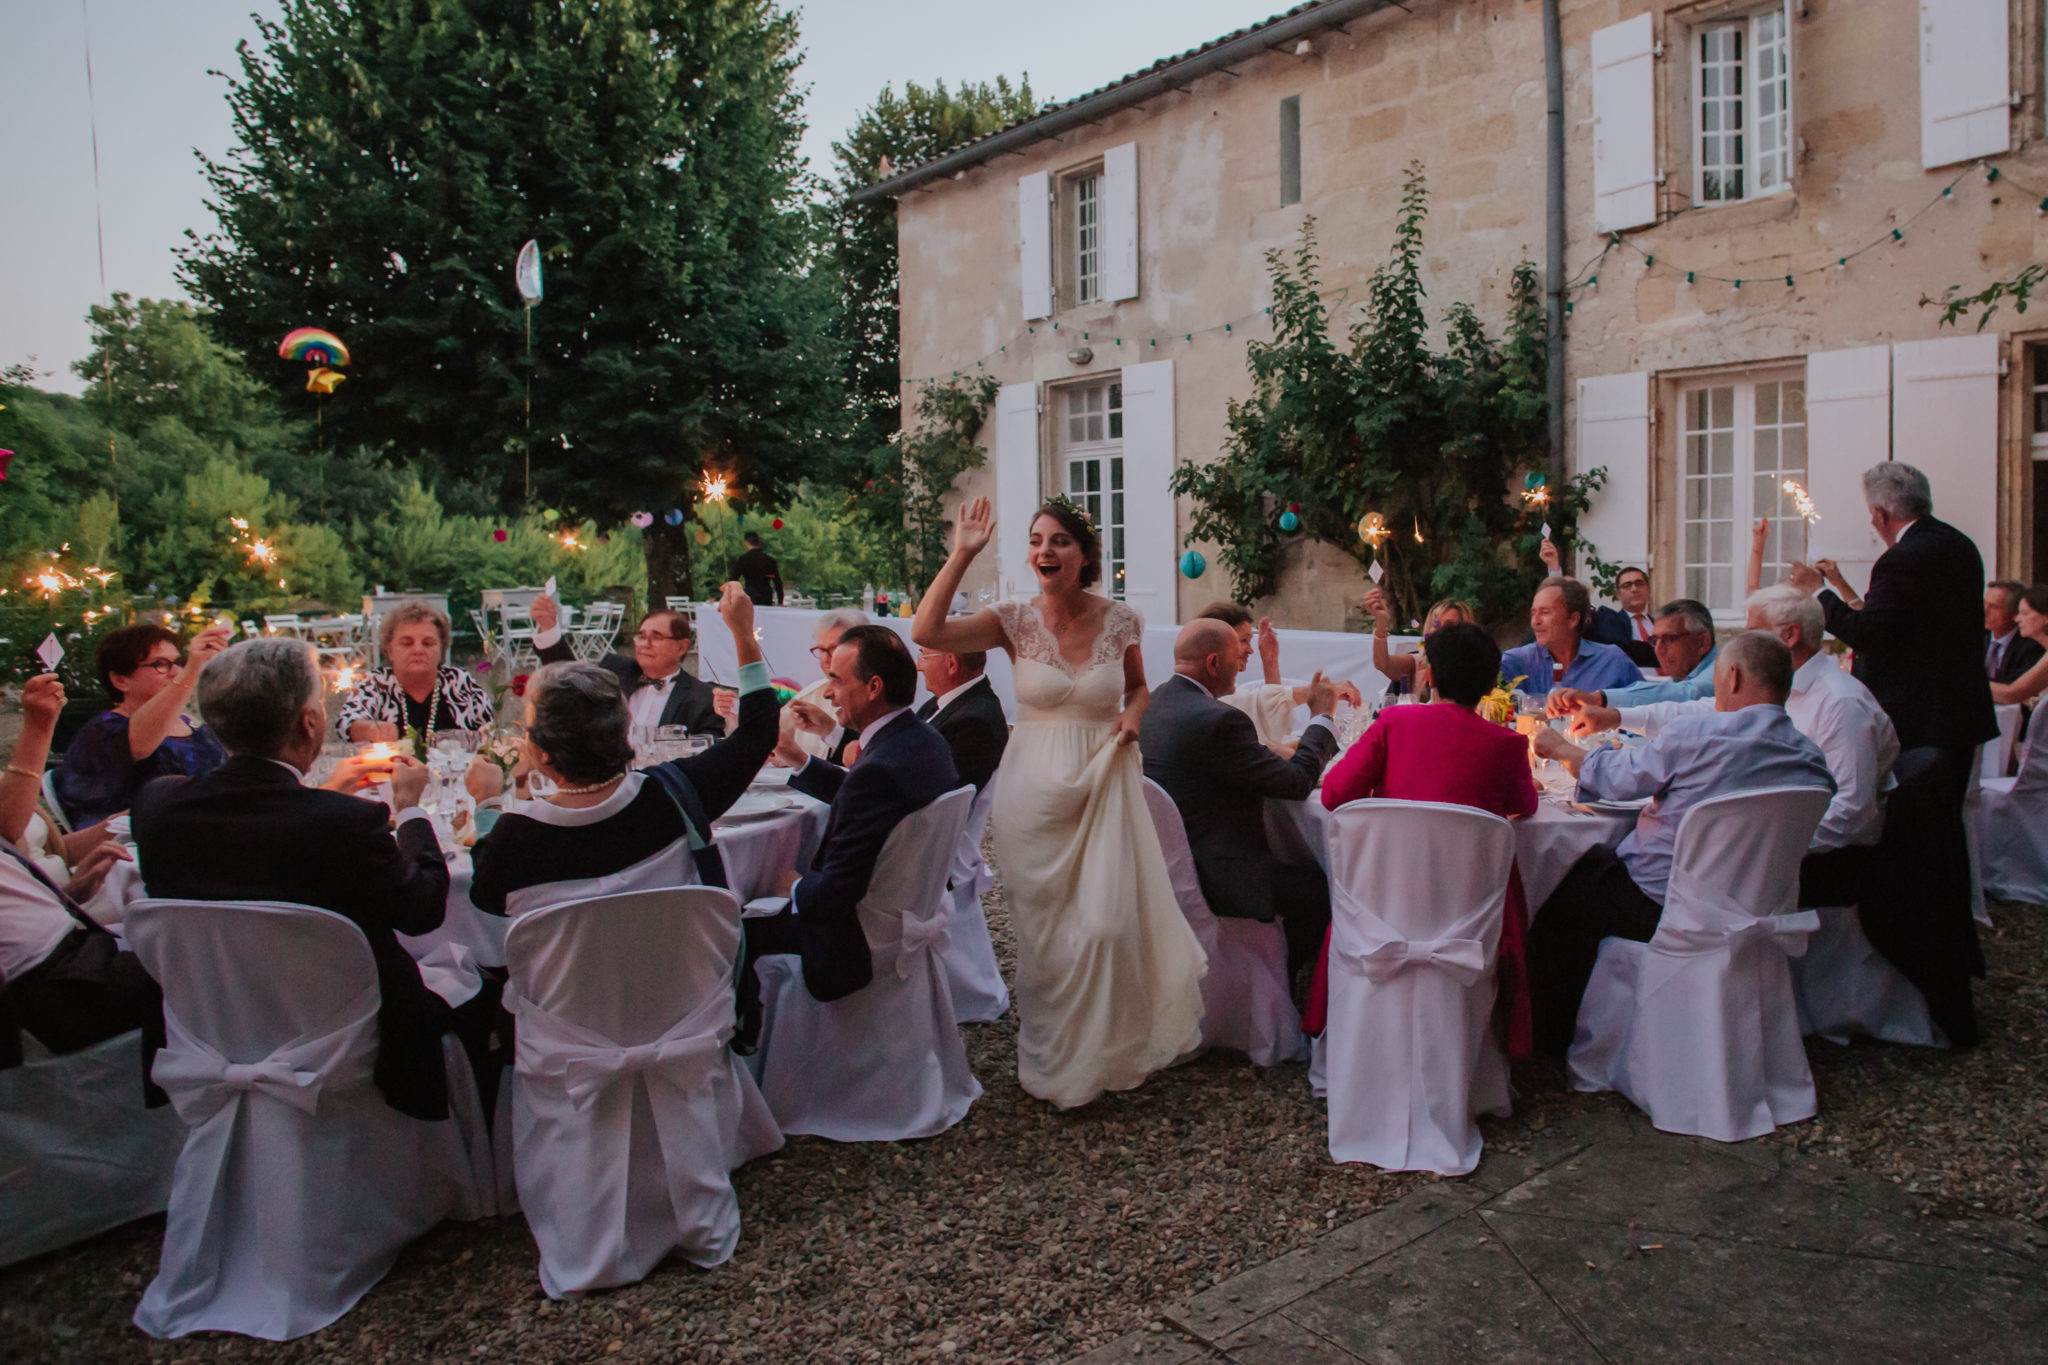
{"points": [[252, 693], [411, 612], [842, 620], [1899, 489], [576, 715], [1781, 604]]}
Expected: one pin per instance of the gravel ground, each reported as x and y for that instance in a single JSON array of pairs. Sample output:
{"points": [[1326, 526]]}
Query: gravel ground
{"points": [[1029, 1235]]}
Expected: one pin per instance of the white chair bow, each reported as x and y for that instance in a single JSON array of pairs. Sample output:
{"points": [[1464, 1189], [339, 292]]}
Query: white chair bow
{"points": [[1462, 959], [683, 1059], [202, 1083], [929, 934]]}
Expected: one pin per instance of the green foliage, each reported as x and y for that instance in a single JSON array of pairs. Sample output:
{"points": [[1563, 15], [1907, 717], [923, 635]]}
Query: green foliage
{"points": [[1436, 439], [910, 477], [825, 549], [393, 156], [2017, 290], [901, 131]]}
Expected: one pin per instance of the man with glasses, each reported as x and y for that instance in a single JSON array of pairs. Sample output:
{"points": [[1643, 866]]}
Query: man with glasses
{"points": [[809, 720], [1683, 636], [658, 691]]}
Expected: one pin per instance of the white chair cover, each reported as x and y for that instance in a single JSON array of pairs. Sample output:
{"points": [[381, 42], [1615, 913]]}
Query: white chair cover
{"points": [[1417, 894], [1246, 1005], [1697, 1027], [629, 1110], [2012, 829], [885, 1062], [298, 1185], [1845, 987], [969, 957], [78, 1152]]}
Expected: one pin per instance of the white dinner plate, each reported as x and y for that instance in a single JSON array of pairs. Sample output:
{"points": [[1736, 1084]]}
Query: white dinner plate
{"points": [[1620, 807], [756, 804]]}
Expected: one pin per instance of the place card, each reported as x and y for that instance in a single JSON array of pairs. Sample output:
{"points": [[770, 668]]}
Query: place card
{"points": [[49, 651], [1376, 573]]}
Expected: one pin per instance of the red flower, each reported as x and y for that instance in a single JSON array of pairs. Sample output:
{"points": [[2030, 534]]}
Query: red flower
{"points": [[519, 684], [499, 536]]}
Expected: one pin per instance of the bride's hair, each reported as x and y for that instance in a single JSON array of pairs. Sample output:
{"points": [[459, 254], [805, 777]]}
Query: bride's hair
{"points": [[1076, 524]]}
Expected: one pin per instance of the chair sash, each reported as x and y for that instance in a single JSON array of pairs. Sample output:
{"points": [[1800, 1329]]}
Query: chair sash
{"points": [[204, 1086], [1368, 946], [681, 1062], [1710, 922], [927, 935]]}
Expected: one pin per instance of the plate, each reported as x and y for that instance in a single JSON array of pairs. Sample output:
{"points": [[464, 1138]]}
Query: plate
{"points": [[756, 804], [1621, 807]]}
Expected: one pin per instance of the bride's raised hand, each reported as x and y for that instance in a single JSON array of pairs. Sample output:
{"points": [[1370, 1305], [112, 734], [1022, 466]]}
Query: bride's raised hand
{"points": [[975, 527]]}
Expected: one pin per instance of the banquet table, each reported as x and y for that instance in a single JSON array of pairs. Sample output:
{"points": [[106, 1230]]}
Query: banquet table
{"points": [[1546, 843]]}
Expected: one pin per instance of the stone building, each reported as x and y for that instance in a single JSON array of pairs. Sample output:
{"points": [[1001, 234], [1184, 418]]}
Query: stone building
{"points": [[1760, 199]]}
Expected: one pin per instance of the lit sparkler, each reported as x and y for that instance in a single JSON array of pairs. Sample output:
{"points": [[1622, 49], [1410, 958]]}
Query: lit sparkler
{"points": [[1802, 502], [715, 489], [262, 552]]}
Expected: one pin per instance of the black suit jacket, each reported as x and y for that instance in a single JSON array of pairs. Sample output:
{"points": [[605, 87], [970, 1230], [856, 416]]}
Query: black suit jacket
{"points": [[2020, 655], [974, 728], [760, 576], [1208, 758], [905, 768], [1611, 626], [689, 700], [1919, 639], [250, 831]]}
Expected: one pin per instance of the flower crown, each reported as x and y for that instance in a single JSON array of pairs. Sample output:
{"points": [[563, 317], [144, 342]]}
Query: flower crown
{"points": [[1062, 500]]}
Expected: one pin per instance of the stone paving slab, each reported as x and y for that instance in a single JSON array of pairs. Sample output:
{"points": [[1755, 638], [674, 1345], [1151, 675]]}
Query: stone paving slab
{"points": [[1605, 1240]]}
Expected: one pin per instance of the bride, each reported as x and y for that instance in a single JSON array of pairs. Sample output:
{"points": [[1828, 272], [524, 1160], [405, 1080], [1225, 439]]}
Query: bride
{"points": [[1108, 972]]}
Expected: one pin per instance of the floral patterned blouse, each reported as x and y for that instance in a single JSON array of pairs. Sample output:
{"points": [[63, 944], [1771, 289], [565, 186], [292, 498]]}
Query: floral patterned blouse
{"points": [[464, 704]]}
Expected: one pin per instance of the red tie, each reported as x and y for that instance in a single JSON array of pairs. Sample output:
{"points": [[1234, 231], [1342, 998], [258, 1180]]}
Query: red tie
{"points": [[1642, 628]]}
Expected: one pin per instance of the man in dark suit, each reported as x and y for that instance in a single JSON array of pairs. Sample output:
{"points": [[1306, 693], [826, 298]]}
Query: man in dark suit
{"points": [[896, 764], [758, 573], [658, 691], [251, 831], [1208, 758], [965, 711], [2007, 653]]}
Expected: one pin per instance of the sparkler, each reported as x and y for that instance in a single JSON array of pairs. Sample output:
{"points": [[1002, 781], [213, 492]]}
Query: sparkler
{"points": [[1372, 530], [1802, 503], [715, 489], [1418, 530]]}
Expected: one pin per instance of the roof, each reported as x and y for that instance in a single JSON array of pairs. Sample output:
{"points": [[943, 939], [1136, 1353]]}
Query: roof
{"points": [[1168, 73]]}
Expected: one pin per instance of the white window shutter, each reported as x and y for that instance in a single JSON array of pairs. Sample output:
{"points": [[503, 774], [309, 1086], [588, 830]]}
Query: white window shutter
{"points": [[1034, 238], [1614, 433], [1945, 423], [1017, 495], [1848, 429], [1150, 524], [1624, 125], [1965, 80], [1120, 222]]}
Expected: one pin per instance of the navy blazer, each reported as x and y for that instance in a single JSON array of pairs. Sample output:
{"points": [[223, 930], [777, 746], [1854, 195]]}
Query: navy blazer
{"points": [[1611, 626], [905, 768]]}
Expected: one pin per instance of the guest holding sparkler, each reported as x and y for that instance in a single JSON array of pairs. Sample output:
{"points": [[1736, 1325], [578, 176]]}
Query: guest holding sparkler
{"points": [[147, 734]]}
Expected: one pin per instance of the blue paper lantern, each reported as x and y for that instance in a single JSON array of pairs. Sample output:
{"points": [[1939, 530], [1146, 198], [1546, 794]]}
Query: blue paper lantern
{"points": [[1192, 564], [1289, 521], [1533, 481], [674, 516]]}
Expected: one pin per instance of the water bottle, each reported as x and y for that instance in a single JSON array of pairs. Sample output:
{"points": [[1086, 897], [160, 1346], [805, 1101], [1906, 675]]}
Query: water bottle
{"points": [[867, 598]]}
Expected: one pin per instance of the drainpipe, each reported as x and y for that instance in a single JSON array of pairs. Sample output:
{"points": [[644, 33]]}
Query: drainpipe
{"points": [[1553, 266]]}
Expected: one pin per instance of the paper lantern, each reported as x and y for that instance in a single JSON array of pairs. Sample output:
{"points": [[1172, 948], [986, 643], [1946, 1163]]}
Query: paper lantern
{"points": [[551, 515], [642, 519], [703, 536], [1192, 565], [499, 536], [1290, 521], [674, 516], [775, 525]]}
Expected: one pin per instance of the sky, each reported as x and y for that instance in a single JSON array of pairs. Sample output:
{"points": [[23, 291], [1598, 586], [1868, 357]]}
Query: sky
{"points": [[156, 104]]}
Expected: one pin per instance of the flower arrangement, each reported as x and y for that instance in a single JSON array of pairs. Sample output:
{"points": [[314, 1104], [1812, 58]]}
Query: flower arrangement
{"points": [[1498, 705], [502, 748]]}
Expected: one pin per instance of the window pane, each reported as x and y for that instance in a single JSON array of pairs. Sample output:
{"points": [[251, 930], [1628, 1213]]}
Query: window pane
{"points": [[1723, 449], [1720, 588], [1696, 454], [1116, 424], [1695, 499], [1767, 404], [1795, 399], [1095, 476], [1792, 452], [1723, 407], [1721, 503], [1696, 584], [1290, 150], [1695, 542], [1116, 473]]}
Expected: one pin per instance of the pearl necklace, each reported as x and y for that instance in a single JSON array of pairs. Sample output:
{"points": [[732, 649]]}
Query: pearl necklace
{"points": [[433, 709], [593, 787]]}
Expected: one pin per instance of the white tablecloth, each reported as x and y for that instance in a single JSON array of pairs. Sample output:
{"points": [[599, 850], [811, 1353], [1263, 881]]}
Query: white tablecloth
{"points": [[1995, 756], [1546, 844]]}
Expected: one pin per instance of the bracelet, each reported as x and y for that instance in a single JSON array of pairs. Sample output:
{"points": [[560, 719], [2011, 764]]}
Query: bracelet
{"points": [[25, 772]]}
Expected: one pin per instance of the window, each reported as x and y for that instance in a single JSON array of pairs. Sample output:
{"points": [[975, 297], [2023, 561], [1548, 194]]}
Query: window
{"points": [[1742, 116], [1092, 473], [1081, 248], [1290, 151], [1740, 443]]}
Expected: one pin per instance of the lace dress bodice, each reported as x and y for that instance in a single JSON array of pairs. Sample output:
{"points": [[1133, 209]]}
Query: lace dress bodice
{"points": [[1048, 688]]}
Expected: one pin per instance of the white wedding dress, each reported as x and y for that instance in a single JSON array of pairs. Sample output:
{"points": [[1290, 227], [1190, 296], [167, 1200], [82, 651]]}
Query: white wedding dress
{"points": [[1108, 972]]}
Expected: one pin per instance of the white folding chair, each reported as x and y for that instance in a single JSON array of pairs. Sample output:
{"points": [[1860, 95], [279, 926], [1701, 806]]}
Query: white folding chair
{"points": [[1698, 1027], [979, 993], [1246, 1005], [285, 623], [78, 1152], [2012, 828], [629, 1110], [1417, 892], [1845, 988], [681, 604], [298, 1184], [886, 1062]]}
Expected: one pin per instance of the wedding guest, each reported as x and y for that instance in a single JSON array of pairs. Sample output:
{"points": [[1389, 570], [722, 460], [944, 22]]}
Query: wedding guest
{"points": [[1627, 629], [1446, 752], [417, 689], [607, 828], [758, 572], [63, 978], [252, 831], [2030, 626], [1746, 742], [809, 720], [965, 710], [1404, 671], [2008, 651], [147, 734], [1270, 703], [658, 691], [897, 765], [1561, 656], [1207, 756], [1684, 640]]}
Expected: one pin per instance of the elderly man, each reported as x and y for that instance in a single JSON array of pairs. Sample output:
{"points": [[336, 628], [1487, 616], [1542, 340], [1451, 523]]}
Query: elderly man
{"points": [[1561, 655], [658, 691], [965, 711], [1747, 741], [251, 831], [809, 720], [2007, 653], [1684, 640], [1207, 756]]}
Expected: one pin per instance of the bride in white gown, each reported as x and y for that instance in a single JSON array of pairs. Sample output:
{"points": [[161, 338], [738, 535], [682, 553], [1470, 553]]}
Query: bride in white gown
{"points": [[1108, 972]]}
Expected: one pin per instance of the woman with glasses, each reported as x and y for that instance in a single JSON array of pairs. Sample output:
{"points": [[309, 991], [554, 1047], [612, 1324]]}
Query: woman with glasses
{"points": [[147, 734]]}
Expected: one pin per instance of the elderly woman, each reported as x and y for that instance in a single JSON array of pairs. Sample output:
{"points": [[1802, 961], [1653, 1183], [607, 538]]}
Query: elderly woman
{"points": [[607, 829], [417, 689], [147, 734]]}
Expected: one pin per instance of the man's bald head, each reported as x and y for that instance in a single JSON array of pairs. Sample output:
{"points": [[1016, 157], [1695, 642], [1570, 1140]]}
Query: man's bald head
{"points": [[1210, 653]]}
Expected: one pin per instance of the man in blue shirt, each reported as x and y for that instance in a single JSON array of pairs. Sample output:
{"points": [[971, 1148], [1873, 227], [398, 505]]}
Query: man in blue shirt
{"points": [[1746, 742], [1562, 656], [1684, 640]]}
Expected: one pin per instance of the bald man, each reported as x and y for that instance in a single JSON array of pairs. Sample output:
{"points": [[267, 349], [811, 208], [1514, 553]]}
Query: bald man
{"points": [[1208, 757]]}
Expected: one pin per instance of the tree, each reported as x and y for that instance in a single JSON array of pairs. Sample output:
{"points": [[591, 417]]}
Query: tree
{"points": [[895, 132], [393, 156], [1438, 442]]}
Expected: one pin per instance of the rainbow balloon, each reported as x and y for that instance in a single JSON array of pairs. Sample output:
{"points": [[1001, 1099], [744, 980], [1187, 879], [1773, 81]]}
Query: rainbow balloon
{"points": [[313, 344]]}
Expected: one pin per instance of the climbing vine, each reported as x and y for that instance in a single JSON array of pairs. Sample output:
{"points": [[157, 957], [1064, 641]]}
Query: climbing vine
{"points": [[909, 477]]}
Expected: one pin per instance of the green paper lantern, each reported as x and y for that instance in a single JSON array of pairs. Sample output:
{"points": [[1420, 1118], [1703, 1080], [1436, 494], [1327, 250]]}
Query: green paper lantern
{"points": [[1289, 522], [1192, 565]]}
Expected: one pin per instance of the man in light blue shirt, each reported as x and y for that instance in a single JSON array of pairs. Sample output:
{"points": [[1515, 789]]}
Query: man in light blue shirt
{"points": [[1683, 637], [1562, 656], [1746, 742]]}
